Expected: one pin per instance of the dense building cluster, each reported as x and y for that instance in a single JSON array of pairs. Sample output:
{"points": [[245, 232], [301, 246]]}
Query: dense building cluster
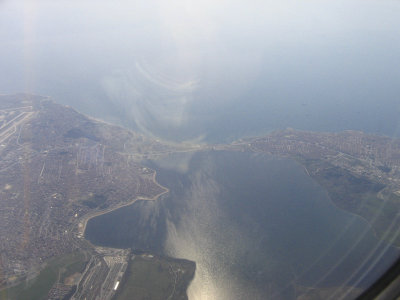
{"points": [[56, 167]]}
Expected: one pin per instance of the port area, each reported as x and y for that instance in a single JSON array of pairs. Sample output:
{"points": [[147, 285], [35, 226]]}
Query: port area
{"points": [[103, 274]]}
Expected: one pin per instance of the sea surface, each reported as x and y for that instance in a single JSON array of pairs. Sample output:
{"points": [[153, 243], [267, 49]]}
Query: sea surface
{"points": [[255, 225], [214, 71]]}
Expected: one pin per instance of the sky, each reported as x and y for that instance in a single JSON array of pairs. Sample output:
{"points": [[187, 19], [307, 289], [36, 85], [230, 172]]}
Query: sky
{"points": [[210, 70]]}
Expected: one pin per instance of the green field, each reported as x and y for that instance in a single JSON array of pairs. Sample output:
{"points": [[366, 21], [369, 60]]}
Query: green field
{"points": [[359, 195], [156, 278], [56, 269]]}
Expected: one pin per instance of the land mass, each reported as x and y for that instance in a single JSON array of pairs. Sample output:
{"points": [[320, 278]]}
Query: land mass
{"points": [[59, 168]]}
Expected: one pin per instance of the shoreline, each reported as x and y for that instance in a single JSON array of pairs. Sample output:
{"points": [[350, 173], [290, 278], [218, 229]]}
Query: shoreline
{"points": [[83, 223], [370, 223], [335, 204]]}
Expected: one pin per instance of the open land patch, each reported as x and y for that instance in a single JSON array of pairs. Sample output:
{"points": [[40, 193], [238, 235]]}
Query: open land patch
{"points": [[155, 277]]}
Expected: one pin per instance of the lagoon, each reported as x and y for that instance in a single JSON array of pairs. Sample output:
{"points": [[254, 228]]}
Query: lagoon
{"points": [[254, 224]]}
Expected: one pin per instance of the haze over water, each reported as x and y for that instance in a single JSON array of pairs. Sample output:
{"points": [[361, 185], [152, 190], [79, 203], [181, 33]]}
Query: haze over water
{"points": [[255, 225], [210, 70]]}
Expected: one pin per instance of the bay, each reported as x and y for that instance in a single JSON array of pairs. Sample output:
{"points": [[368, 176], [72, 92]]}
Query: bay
{"points": [[255, 225]]}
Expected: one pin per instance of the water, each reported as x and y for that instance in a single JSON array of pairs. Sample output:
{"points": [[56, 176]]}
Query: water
{"points": [[210, 70], [255, 225]]}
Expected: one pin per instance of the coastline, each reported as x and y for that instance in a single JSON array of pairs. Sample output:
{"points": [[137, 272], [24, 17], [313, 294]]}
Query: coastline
{"points": [[334, 203], [85, 219], [83, 222], [370, 223]]}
